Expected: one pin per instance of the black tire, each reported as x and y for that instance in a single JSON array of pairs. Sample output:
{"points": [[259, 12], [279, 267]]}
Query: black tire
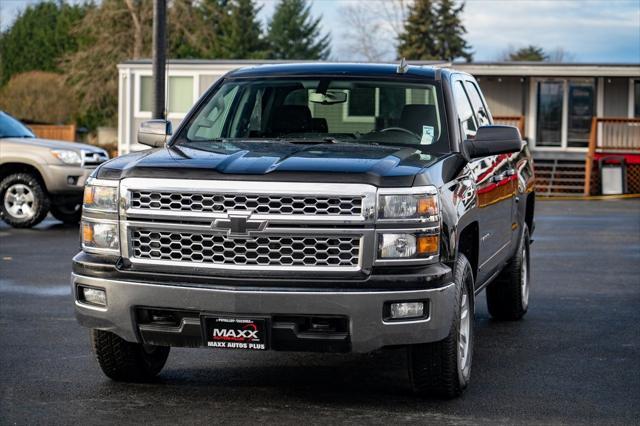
{"points": [[38, 204], [508, 294], [69, 214], [125, 361], [435, 368]]}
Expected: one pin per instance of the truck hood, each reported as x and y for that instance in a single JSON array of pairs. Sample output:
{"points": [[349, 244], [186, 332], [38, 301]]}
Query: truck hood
{"points": [[53, 144], [380, 165]]}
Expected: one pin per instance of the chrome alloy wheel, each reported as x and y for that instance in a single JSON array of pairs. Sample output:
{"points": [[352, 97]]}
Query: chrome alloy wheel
{"points": [[464, 336], [524, 279], [19, 201]]}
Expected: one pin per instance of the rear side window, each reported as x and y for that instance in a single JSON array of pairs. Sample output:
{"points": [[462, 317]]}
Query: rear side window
{"points": [[465, 112], [478, 106]]}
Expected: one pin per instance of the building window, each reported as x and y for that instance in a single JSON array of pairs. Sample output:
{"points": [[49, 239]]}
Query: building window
{"points": [[549, 113], [179, 94], [146, 93]]}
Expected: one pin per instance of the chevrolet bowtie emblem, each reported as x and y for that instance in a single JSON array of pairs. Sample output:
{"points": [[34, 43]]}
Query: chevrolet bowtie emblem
{"points": [[238, 224]]}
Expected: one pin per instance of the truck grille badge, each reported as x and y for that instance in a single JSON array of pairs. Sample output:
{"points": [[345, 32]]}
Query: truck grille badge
{"points": [[237, 224]]}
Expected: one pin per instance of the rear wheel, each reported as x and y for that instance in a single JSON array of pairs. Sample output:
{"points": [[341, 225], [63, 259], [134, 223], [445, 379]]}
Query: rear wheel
{"points": [[443, 369], [23, 200], [508, 295], [125, 361]]}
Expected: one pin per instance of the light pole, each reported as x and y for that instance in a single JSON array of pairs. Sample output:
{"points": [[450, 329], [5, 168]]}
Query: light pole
{"points": [[159, 56]]}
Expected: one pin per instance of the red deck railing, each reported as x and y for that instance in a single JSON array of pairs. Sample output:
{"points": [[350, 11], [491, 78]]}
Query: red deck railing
{"points": [[614, 136]]}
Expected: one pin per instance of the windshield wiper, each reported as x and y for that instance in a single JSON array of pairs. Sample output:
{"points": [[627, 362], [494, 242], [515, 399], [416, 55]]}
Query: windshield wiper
{"points": [[315, 141]]}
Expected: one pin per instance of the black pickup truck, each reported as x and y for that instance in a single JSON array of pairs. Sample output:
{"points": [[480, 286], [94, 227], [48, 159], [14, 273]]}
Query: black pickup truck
{"points": [[311, 207]]}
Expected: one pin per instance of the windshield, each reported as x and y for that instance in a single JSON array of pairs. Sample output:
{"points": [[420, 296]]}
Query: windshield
{"points": [[12, 128], [321, 110]]}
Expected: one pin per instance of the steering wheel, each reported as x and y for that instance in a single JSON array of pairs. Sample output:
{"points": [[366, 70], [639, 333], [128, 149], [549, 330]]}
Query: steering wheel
{"points": [[400, 129]]}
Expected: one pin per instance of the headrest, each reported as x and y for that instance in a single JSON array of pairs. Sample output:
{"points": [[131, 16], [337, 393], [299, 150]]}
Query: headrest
{"points": [[291, 119]]}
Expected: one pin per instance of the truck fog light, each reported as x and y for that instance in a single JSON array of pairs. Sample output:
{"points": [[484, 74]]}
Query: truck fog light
{"points": [[93, 296], [407, 310]]}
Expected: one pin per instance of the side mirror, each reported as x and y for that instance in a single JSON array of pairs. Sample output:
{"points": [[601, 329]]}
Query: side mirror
{"points": [[493, 140], [154, 132]]}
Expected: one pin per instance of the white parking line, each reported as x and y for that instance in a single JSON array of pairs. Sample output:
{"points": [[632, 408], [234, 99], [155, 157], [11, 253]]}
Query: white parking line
{"points": [[8, 286]]}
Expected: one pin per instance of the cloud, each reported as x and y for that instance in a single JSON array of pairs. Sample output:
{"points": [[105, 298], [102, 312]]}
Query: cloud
{"points": [[593, 31]]}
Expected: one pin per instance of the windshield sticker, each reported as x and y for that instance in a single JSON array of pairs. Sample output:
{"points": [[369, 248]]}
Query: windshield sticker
{"points": [[427, 135]]}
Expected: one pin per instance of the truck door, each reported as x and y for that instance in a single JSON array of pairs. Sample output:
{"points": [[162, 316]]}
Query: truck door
{"points": [[494, 182]]}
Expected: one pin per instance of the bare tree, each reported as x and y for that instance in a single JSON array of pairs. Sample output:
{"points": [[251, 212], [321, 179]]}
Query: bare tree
{"points": [[134, 10], [373, 28], [364, 32], [395, 13]]}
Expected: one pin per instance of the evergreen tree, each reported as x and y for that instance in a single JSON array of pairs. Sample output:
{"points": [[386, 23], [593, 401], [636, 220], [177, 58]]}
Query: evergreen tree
{"points": [[242, 36], [434, 31], [38, 39], [417, 41], [294, 34], [529, 53], [186, 30], [449, 31], [215, 14]]}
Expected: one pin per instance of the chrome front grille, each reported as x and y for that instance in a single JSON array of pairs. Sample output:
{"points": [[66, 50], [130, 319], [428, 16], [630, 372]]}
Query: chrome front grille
{"points": [[266, 204], [196, 226], [337, 251]]}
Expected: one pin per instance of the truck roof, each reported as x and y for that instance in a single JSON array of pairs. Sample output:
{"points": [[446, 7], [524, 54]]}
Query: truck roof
{"points": [[328, 68]]}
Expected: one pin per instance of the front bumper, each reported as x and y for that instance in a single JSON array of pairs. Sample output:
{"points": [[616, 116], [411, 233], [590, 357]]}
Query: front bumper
{"points": [[367, 329], [63, 179]]}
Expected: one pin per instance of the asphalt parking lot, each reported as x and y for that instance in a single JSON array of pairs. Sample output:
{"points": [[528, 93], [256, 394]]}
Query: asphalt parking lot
{"points": [[573, 359]]}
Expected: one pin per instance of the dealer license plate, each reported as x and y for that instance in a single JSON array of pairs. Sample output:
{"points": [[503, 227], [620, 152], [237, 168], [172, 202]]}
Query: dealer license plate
{"points": [[235, 333]]}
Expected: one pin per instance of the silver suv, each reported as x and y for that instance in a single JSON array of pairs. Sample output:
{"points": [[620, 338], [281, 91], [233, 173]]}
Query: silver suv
{"points": [[39, 176]]}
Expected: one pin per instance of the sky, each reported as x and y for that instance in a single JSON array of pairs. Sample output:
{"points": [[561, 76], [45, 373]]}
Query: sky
{"points": [[591, 31]]}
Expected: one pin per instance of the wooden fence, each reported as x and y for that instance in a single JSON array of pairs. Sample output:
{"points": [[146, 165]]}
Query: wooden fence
{"points": [[615, 136], [58, 132], [510, 120]]}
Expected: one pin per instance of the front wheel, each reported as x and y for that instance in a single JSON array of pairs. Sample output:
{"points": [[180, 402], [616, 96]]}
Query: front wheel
{"points": [[23, 200], [125, 361], [508, 294], [443, 369]]}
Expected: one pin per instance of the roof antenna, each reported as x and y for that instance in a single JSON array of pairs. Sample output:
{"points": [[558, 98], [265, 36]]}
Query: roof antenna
{"points": [[402, 67]]}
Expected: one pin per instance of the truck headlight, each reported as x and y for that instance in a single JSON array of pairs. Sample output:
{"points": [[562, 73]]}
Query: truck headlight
{"points": [[100, 237], [407, 245], [67, 156], [103, 198], [408, 206]]}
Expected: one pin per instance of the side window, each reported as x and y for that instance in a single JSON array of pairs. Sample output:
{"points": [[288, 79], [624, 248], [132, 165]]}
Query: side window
{"points": [[465, 112], [479, 107], [210, 121]]}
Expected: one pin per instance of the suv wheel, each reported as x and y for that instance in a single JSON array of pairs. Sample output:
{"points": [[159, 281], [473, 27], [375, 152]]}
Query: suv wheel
{"points": [[67, 213], [508, 295], [125, 361], [23, 201], [443, 369]]}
